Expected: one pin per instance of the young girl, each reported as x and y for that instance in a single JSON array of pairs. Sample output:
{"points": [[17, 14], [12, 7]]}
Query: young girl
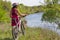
{"points": [[15, 17]]}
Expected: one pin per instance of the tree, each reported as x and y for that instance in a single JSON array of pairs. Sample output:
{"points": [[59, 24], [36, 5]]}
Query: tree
{"points": [[52, 11]]}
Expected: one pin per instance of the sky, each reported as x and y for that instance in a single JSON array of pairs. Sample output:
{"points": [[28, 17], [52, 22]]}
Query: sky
{"points": [[28, 2]]}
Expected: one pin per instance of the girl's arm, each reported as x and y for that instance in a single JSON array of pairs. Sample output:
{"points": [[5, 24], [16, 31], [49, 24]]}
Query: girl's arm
{"points": [[20, 14]]}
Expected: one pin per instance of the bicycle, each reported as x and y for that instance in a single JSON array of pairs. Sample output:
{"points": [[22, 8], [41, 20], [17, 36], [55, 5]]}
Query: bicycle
{"points": [[16, 30]]}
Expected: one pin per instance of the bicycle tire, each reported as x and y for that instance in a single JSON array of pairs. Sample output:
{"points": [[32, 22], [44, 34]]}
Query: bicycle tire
{"points": [[22, 28], [14, 34]]}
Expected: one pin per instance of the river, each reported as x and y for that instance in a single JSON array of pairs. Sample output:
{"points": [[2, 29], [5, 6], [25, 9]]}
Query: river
{"points": [[34, 20]]}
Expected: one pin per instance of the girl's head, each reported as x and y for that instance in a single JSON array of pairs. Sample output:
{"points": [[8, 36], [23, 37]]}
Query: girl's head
{"points": [[14, 5]]}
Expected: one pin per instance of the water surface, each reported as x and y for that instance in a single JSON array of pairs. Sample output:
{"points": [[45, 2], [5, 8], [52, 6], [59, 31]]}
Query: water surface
{"points": [[34, 20]]}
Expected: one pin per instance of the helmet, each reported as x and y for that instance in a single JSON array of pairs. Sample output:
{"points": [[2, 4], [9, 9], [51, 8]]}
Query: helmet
{"points": [[14, 4]]}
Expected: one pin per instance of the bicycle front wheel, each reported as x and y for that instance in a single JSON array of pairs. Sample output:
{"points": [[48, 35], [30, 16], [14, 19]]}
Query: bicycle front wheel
{"points": [[22, 28]]}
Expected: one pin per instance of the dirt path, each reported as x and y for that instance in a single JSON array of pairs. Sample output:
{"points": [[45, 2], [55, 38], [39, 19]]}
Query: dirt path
{"points": [[4, 27]]}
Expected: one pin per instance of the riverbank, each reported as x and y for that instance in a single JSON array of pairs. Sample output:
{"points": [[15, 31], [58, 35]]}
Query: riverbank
{"points": [[40, 34], [31, 34]]}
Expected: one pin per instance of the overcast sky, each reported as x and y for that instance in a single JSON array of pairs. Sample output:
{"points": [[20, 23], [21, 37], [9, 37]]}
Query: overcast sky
{"points": [[28, 2]]}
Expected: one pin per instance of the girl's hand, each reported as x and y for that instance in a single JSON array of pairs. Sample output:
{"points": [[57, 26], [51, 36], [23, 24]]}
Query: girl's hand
{"points": [[23, 15]]}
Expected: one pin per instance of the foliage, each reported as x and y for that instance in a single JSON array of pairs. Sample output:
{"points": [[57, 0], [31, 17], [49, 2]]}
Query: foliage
{"points": [[30, 10], [4, 9], [52, 11], [50, 15]]}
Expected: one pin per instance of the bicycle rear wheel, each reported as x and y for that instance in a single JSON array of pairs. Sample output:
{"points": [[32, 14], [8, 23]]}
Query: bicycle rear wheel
{"points": [[14, 33]]}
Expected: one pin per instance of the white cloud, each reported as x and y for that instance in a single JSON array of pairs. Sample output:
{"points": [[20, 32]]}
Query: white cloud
{"points": [[28, 2]]}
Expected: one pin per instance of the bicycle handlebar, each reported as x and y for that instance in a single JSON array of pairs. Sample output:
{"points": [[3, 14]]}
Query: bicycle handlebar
{"points": [[22, 16]]}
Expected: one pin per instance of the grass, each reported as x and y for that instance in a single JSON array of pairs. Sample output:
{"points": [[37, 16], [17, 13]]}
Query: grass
{"points": [[31, 34], [39, 34]]}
